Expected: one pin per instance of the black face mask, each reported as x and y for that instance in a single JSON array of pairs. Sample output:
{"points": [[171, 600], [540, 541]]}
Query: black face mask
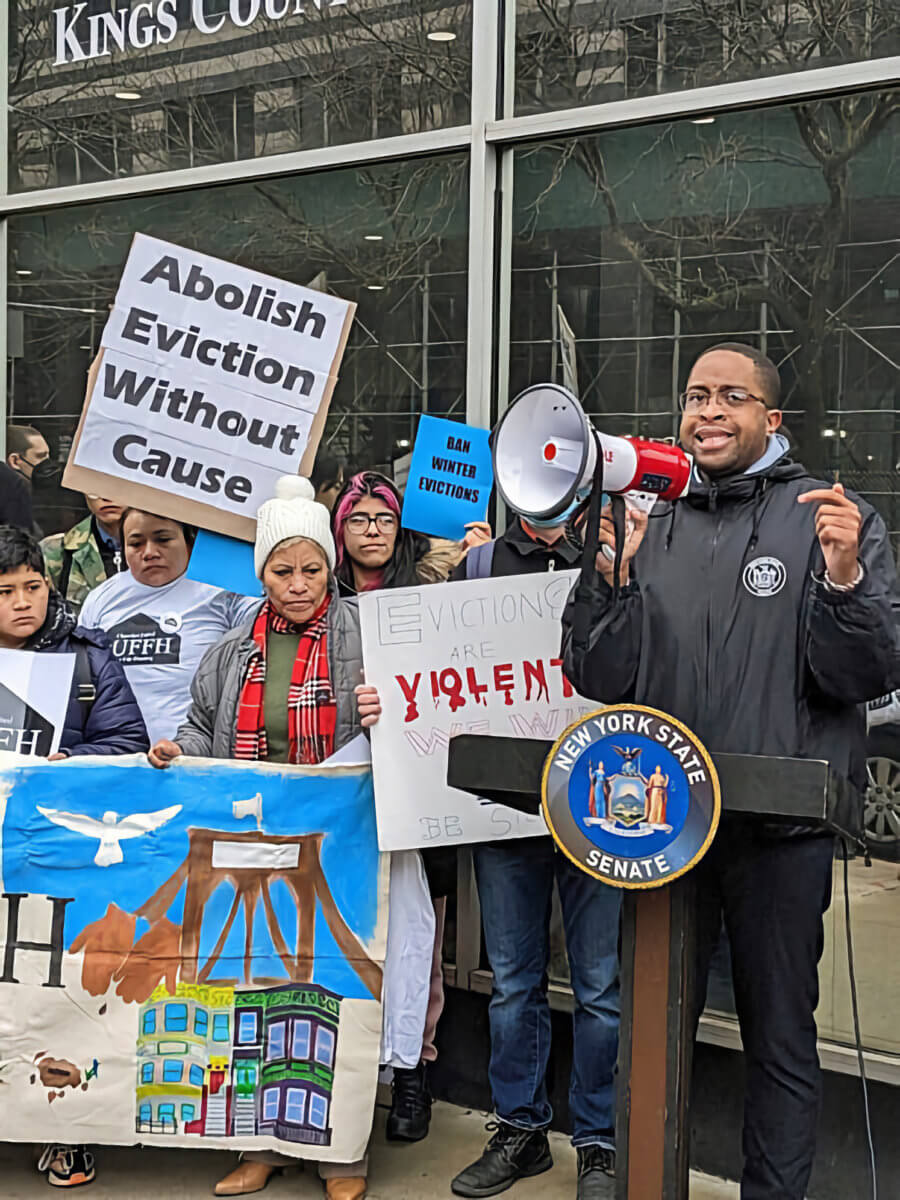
{"points": [[46, 472]]}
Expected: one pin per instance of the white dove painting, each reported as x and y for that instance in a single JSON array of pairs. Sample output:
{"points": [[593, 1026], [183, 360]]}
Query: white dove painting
{"points": [[111, 829]]}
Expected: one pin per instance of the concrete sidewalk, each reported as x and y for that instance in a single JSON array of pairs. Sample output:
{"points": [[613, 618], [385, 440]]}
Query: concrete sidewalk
{"points": [[420, 1172]]}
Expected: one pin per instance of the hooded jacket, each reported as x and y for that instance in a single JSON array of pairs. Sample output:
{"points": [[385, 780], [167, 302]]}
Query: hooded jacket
{"points": [[75, 564], [111, 723], [727, 624]]}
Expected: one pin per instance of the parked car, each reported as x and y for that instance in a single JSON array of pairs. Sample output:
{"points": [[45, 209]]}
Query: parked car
{"points": [[881, 814]]}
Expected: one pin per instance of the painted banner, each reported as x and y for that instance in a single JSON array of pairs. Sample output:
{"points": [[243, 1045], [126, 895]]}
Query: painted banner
{"points": [[213, 380], [191, 956], [450, 478], [34, 696], [477, 656]]}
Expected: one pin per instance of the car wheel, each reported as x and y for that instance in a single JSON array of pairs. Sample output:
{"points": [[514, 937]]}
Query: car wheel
{"points": [[882, 801]]}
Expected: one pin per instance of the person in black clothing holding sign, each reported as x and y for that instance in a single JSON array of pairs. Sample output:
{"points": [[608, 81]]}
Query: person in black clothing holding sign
{"points": [[761, 611]]}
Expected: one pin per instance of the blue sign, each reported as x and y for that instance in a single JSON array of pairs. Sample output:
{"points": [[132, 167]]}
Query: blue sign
{"points": [[450, 478], [631, 796], [224, 562]]}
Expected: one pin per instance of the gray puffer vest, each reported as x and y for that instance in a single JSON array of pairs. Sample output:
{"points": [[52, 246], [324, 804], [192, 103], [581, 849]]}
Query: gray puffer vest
{"points": [[209, 728]]}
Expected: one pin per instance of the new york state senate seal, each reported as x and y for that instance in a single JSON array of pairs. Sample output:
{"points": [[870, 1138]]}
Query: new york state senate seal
{"points": [[631, 796]]}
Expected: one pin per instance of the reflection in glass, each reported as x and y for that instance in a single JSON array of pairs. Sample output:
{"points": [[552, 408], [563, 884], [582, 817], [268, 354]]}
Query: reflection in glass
{"points": [[99, 91], [406, 353], [569, 52], [774, 227]]}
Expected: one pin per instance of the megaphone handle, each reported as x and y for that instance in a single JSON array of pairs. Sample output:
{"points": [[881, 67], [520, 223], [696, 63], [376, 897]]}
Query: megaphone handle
{"points": [[581, 615]]}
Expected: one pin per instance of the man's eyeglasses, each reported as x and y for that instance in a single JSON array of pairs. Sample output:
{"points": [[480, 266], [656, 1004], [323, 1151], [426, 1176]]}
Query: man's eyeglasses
{"points": [[695, 399], [385, 522]]}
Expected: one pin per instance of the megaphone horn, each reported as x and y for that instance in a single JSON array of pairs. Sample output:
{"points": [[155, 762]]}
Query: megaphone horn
{"points": [[545, 456]]}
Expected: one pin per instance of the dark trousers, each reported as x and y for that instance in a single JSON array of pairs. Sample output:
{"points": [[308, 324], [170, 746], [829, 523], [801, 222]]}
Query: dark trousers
{"points": [[772, 893], [515, 887]]}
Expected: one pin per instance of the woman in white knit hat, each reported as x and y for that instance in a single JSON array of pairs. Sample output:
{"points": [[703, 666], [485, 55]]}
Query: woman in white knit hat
{"points": [[284, 687]]}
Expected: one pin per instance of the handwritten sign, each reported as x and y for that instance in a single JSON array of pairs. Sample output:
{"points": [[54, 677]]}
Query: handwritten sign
{"points": [[213, 380], [140, 1005], [34, 696], [480, 656], [450, 478]]}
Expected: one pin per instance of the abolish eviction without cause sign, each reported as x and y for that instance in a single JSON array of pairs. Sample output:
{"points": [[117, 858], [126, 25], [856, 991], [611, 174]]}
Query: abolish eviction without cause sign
{"points": [[212, 382]]}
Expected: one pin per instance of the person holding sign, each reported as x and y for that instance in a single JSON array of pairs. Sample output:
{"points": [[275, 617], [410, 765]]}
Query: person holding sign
{"points": [[88, 554], [161, 623], [375, 551], [102, 716], [286, 686]]}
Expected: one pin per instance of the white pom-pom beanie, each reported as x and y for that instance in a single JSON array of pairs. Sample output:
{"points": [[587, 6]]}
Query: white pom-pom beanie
{"points": [[294, 512]]}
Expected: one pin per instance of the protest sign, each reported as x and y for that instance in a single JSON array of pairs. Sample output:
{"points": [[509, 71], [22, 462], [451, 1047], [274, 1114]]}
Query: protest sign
{"points": [[213, 380], [224, 562], [202, 967], [450, 478], [34, 696], [478, 656]]}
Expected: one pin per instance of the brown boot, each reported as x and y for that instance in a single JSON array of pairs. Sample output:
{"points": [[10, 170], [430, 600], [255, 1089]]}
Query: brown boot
{"points": [[245, 1178], [345, 1189]]}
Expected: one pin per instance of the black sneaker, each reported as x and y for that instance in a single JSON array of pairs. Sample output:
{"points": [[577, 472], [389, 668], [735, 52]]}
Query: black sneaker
{"points": [[511, 1154], [67, 1166], [596, 1173], [410, 1113]]}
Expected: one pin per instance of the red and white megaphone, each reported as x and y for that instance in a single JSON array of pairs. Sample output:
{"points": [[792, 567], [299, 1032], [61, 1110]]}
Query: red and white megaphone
{"points": [[545, 454]]}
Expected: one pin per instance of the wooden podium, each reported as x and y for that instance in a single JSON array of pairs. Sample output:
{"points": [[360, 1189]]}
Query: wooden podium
{"points": [[657, 975]]}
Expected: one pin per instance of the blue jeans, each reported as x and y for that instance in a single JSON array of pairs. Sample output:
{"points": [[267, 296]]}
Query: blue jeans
{"points": [[515, 886]]}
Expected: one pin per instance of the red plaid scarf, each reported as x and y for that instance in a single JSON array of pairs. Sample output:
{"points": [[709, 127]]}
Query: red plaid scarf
{"points": [[312, 709]]}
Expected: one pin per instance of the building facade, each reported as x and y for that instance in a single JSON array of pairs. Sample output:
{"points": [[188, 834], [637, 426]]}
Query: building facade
{"points": [[505, 189]]}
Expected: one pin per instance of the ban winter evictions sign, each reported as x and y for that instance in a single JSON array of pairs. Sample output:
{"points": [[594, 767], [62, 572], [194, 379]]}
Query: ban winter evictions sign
{"points": [[213, 380]]}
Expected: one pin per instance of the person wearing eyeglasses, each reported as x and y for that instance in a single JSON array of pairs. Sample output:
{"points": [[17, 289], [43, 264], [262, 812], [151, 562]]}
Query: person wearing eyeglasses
{"points": [[762, 611], [375, 551]]}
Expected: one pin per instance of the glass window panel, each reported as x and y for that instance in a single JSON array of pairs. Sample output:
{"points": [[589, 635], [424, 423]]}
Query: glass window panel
{"points": [[187, 1112], [201, 1022], [325, 1047], [148, 1025], [221, 1031], [196, 1075], [574, 52], [391, 237], [295, 1104], [182, 90], [147, 1073], [247, 1027]]}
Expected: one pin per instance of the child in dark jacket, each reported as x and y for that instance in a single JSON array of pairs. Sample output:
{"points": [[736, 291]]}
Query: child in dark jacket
{"points": [[102, 716]]}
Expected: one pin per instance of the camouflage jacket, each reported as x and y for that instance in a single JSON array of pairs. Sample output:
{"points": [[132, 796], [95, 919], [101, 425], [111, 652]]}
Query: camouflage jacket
{"points": [[86, 568]]}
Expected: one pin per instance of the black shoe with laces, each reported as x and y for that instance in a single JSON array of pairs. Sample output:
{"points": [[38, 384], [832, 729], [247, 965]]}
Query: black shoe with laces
{"points": [[511, 1154], [596, 1173], [410, 1113]]}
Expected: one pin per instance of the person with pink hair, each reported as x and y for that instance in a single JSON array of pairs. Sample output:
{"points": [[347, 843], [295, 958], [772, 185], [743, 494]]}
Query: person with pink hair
{"points": [[375, 551]]}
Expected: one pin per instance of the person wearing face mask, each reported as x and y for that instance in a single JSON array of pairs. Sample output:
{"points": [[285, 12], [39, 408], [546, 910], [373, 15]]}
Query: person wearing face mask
{"points": [[159, 622], [515, 885], [375, 551], [89, 554], [102, 717], [26, 450], [762, 611], [285, 686]]}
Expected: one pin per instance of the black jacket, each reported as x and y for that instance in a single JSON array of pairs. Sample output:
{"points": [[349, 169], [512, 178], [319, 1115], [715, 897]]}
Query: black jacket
{"points": [[15, 500], [111, 723], [515, 553], [755, 656]]}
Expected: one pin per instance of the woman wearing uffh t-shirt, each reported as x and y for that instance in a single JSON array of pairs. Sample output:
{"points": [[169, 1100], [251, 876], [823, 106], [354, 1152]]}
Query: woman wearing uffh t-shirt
{"points": [[159, 622]]}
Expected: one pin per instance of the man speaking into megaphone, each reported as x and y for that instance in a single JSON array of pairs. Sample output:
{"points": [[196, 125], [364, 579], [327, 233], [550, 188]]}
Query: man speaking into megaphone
{"points": [[760, 609]]}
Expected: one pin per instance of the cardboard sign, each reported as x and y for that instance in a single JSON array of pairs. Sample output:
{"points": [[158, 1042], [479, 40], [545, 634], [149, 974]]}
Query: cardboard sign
{"points": [[224, 562], [212, 381], [450, 478], [34, 696], [479, 656], [201, 967]]}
